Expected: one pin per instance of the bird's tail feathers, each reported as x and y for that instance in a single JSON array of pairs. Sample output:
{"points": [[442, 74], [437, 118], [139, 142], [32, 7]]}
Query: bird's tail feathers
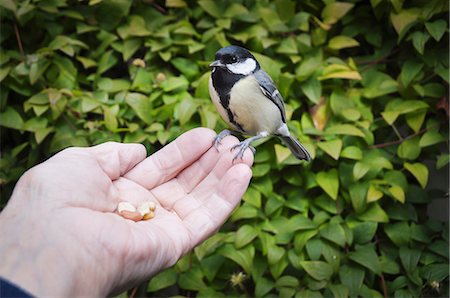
{"points": [[296, 148]]}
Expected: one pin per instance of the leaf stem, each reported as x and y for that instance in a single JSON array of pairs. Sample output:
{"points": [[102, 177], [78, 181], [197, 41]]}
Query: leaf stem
{"points": [[397, 132], [387, 144], [383, 283], [19, 42]]}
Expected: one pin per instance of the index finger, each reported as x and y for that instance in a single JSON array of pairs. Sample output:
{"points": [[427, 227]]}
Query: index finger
{"points": [[173, 158]]}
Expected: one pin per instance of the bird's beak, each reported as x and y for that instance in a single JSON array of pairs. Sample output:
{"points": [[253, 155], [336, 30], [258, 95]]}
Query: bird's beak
{"points": [[216, 63]]}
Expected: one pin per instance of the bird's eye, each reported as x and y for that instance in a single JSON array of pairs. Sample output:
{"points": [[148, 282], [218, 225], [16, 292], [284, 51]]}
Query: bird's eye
{"points": [[233, 59]]}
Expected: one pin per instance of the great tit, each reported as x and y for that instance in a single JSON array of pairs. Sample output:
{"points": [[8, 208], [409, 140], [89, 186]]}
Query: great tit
{"points": [[248, 100]]}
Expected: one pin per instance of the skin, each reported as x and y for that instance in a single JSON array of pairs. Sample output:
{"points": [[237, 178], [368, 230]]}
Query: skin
{"points": [[61, 236]]}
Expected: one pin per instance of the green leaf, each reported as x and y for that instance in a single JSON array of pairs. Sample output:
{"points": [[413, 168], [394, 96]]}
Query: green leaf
{"points": [[211, 8], [9, 4], [435, 272], [244, 235], [184, 110], [332, 148], [274, 255], [335, 233], [263, 286], [317, 269], [314, 248], [288, 46], [162, 280], [419, 171], [404, 20], [339, 71], [175, 83], [334, 11], [344, 129], [287, 281], [11, 118], [409, 149], [374, 213], [342, 42], [367, 257], [111, 122], [352, 152], [186, 67], [312, 89], [192, 280], [113, 85], [409, 258], [419, 39], [442, 161], [399, 233], [329, 182], [415, 120], [135, 26], [141, 105], [363, 232], [175, 3], [253, 197], [245, 211], [243, 257], [358, 193], [360, 169], [397, 193], [377, 84], [373, 193], [339, 291], [410, 70], [436, 28], [430, 138], [352, 277]]}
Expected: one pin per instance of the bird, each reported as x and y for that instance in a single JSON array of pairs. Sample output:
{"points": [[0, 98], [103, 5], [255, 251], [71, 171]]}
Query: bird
{"points": [[248, 100]]}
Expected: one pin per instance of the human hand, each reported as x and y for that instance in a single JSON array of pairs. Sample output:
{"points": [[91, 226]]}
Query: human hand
{"points": [[61, 237]]}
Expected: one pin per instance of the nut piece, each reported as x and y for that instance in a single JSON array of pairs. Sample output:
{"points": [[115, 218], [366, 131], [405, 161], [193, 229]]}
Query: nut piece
{"points": [[125, 206], [133, 215], [146, 209], [149, 215]]}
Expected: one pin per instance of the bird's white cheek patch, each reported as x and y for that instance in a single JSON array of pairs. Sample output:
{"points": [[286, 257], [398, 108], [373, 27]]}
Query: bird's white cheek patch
{"points": [[244, 68]]}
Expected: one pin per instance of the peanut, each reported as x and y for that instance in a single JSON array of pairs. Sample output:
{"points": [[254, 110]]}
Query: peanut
{"points": [[133, 215], [146, 209], [125, 206]]}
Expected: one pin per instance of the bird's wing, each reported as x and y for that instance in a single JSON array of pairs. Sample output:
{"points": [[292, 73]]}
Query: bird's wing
{"points": [[269, 89]]}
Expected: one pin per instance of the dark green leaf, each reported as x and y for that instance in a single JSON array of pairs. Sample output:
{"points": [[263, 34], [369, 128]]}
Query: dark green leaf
{"points": [[244, 235], [409, 257], [11, 118], [317, 269], [437, 28], [367, 257], [329, 182], [162, 280]]}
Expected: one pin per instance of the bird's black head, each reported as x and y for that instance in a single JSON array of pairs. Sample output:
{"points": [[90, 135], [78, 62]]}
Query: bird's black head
{"points": [[236, 60]]}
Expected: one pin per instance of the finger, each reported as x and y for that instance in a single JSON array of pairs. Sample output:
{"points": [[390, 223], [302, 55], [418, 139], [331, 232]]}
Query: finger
{"points": [[203, 217], [116, 159], [227, 160], [173, 158], [170, 192]]}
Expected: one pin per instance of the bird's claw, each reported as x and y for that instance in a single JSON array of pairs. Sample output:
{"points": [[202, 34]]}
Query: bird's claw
{"points": [[242, 147], [217, 139]]}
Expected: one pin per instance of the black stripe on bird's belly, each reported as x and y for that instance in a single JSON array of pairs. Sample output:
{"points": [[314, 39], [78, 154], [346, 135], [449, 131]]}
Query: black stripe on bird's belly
{"points": [[223, 81]]}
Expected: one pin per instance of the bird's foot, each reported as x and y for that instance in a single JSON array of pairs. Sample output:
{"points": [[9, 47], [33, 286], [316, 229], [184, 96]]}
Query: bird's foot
{"points": [[217, 140], [241, 149]]}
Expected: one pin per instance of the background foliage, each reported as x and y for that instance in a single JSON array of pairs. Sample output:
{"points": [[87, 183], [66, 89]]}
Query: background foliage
{"points": [[365, 83]]}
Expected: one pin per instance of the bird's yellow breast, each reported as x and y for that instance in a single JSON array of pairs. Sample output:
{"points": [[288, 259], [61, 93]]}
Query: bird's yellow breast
{"points": [[252, 109]]}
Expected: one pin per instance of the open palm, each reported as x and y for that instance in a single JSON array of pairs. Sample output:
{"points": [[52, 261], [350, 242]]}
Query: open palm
{"points": [[74, 195]]}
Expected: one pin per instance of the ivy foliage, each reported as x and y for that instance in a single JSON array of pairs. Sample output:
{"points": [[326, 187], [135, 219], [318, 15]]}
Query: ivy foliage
{"points": [[365, 85]]}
